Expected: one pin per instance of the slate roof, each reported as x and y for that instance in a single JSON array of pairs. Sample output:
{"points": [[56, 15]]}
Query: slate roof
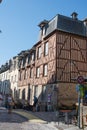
{"points": [[65, 24]]}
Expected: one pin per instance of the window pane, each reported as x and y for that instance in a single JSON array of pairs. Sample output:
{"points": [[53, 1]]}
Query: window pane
{"points": [[31, 73], [43, 96], [36, 91], [45, 70], [32, 56], [38, 72], [46, 48], [39, 52]]}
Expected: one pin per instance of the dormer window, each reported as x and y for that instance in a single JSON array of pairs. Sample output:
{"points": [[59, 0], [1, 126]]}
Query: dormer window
{"points": [[33, 57], [43, 31], [42, 26], [24, 61], [28, 59]]}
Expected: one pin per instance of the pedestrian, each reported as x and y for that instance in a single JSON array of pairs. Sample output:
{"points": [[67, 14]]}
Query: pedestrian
{"points": [[10, 103], [1, 99], [35, 102]]}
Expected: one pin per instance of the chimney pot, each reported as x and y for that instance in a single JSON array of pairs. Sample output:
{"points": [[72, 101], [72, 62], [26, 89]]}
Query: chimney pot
{"points": [[74, 15]]}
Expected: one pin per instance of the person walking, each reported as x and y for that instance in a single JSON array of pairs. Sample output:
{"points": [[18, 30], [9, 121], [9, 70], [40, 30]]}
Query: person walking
{"points": [[35, 102], [1, 99], [9, 103]]}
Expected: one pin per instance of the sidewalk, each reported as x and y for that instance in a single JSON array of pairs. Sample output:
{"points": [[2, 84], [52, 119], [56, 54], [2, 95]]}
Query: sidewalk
{"points": [[48, 118]]}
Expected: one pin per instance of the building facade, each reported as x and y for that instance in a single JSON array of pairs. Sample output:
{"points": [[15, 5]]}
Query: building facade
{"points": [[47, 69], [9, 78]]}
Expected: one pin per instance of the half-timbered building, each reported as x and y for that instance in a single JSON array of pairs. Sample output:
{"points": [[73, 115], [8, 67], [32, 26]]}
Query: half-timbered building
{"points": [[60, 55]]}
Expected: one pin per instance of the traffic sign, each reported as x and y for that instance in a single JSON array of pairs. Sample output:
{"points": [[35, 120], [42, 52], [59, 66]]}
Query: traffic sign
{"points": [[80, 79]]}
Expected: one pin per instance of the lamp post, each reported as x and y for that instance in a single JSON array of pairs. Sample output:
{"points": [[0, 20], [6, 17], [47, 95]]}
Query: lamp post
{"points": [[80, 80]]}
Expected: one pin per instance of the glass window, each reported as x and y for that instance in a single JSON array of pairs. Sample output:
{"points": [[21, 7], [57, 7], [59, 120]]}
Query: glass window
{"points": [[14, 64], [28, 59], [45, 70], [46, 48], [25, 74], [31, 72], [20, 76], [43, 95], [37, 72], [33, 56], [15, 78], [36, 91], [24, 61], [39, 52]]}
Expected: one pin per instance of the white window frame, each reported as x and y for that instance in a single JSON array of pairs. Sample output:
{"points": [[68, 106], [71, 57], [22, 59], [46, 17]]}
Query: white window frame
{"points": [[46, 48], [45, 69], [39, 52], [38, 72]]}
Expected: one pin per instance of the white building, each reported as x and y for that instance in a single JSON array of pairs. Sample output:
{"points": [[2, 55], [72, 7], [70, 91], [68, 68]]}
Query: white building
{"points": [[9, 77]]}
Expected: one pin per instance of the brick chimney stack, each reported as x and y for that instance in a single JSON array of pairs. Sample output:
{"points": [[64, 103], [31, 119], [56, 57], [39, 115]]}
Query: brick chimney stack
{"points": [[74, 15], [85, 24]]}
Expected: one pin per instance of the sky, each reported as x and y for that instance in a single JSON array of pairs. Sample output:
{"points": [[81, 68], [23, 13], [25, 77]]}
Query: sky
{"points": [[19, 21]]}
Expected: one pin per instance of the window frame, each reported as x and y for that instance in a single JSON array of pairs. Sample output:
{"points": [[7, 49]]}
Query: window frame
{"points": [[39, 52], [46, 48], [45, 70], [37, 72], [31, 72]]}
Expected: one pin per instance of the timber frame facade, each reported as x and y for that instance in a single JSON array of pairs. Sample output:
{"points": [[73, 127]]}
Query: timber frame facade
{"points": [[47, 69]]}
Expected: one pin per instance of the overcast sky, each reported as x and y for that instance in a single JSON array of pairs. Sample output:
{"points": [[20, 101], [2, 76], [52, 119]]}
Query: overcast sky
{"points": [[19, 20]]}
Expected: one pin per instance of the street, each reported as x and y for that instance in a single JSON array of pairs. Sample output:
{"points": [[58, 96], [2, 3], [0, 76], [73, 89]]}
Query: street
{"points": [[14, 121], [24, 120]]}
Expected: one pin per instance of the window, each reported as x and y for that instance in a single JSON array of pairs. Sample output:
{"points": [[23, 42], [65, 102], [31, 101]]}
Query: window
{"points": [[14, 64], [33, 57], [43, 95], [39, 52], [24, 61], [43, 31], [28, 59], [20, 76], [23, 94], [19, 64], [36, 91], [29, 91], [45, 70], [25, 74], [15, 78], [11, 78], [31, 72], [46, 48], [37, 72]]}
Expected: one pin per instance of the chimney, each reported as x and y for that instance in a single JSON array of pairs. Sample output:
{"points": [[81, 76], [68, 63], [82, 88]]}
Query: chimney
{"points": [[43, 23], [74, 15], [85, 24]]}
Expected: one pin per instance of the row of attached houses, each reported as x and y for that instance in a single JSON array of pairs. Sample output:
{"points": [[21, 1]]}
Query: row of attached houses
{"points": [[47, 69], [9, 77]]}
